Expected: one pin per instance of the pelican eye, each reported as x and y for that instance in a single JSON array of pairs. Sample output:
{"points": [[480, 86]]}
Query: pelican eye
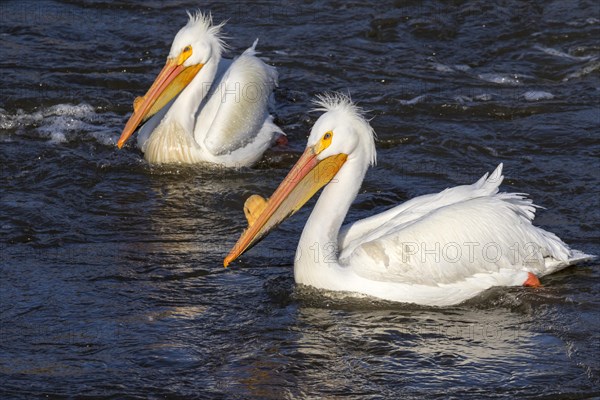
{"points": [[185, 54], [324, 142]]}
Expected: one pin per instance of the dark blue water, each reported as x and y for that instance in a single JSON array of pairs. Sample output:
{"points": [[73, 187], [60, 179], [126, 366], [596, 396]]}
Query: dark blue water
{"points": [[111, 277]]}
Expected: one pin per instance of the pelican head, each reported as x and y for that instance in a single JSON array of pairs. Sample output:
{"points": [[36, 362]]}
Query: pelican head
{"points": [[341, 135], [196, 44], [349, 131]]}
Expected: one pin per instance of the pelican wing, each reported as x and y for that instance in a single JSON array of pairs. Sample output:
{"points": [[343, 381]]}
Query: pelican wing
{"points": [[452, 236], [378, 225], [239, 104]]}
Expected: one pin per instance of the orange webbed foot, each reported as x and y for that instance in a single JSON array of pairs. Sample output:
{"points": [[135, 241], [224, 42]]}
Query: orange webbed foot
{"points": [[532, 281]]}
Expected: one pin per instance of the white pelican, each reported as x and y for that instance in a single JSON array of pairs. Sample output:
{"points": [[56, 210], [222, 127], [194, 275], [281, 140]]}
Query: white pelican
{"points": [[439, 249], [205, 108]]}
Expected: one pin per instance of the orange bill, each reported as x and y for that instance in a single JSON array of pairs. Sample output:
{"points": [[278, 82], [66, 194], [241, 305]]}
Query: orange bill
{"points": [[173, 78], [302, 182]]}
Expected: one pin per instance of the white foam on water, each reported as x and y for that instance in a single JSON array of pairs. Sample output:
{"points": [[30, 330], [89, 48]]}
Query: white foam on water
{"points": [[537, 95], [61, 123], [447, 68], [104, 137], [81, 110], [57, 137], [20, 118], [484, 97], [462, 67], [501, 79], [442, 67]]}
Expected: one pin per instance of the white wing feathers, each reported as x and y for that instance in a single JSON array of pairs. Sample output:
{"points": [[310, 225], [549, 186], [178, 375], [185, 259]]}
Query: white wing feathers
{"points": [[448, 237], [377, 225], [241, 99]]}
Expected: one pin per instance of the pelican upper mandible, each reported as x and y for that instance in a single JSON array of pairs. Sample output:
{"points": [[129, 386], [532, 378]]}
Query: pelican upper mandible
{"points": [[204, 108], [438, 249]]}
